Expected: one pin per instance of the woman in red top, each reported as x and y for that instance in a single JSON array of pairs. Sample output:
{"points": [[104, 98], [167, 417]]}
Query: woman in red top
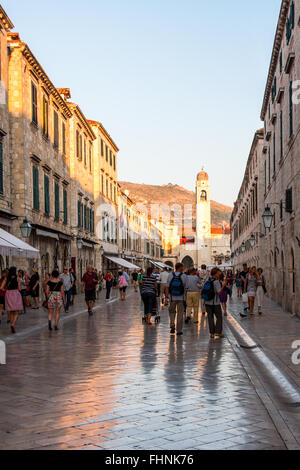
{"points": [[2, 293]]}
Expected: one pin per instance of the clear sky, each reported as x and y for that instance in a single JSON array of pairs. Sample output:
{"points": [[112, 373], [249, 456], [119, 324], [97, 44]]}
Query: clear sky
{"points": [[177, 84]]}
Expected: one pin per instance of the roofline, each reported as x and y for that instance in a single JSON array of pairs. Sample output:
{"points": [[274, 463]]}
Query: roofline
{"points": [[102, 129], [275, 53], [5, 19], [83, 119], [31, 59], [259, 135]]}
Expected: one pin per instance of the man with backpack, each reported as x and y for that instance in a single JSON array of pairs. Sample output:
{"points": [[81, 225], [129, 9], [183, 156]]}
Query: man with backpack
{"points": [[210, 293], [176, 291]]}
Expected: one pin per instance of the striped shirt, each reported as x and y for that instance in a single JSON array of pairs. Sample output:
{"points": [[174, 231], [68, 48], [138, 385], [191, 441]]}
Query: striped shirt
{"points": [[148, 286]]}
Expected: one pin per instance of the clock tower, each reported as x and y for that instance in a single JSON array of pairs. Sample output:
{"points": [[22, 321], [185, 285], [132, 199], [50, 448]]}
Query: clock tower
{"points": [[203, 227]]}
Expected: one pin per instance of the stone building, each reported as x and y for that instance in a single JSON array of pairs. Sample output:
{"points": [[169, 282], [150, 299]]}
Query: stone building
{"points": [[6, 213], [81, 138], [105, 193], [39, 156], [281, 116], [246, 220]]}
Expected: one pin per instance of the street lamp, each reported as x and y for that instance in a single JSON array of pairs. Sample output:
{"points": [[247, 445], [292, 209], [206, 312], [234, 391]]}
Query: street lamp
{"points": [[243, 247], [26, 229], [79, 243], [267, 217], [252, 241], [101, 251]]}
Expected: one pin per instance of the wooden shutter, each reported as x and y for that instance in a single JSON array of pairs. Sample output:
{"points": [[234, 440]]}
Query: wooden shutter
{"points": [[45, 117], [36, 198], [79, 213], [56, 134], [46, 191], [56, 195], [289, 200], [1, 168], [65, 196], [291, 107], [34, 102]]}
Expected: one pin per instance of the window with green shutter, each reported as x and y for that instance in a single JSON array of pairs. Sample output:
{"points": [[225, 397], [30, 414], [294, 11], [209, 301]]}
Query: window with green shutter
{"points": [[45, 117], [63, 134], [1, 168], [56, 132], [291, 108], [102, 148], [56, 199], [274, 153], [85, 217], [281, 135], [46, 194], [36, 196], [65, 196], [34, 103], [79, 213]]}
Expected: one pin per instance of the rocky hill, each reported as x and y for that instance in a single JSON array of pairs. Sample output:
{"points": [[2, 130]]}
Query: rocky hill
{"points": [[174, 194]]}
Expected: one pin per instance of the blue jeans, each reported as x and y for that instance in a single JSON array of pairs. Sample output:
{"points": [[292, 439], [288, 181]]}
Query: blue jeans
{"points": [[68, 295]]}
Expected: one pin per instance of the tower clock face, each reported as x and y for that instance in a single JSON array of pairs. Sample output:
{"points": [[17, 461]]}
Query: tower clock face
{"points": [[204, 227]]}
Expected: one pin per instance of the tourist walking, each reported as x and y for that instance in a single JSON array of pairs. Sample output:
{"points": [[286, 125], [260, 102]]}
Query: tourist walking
{"points": [[238, 283], [74, 288], [21, 276], [211, 293], [109, 284], [164, 275], [34, 288], [203, 276], [56, 298], [2, 293], [176, 292], [140, 280], [193, 288], [134, 277], [251, 288], [68, 281], [244, 274], [224, 294], [261, 290], [13, 298], [149, 292], [88, 286], [123, 284]]}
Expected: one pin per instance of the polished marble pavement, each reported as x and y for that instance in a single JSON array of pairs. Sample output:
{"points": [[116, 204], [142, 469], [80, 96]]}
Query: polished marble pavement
{"points": [[110, 382]]}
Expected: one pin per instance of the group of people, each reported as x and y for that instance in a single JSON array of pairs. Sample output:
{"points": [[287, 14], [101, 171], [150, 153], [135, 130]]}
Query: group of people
{"points": [[184, 293], [188, 292]]}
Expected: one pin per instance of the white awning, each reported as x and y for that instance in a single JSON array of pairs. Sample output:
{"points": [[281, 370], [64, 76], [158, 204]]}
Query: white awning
{"points": [[43, 233], [162, 265], [13, 246], [122, 262]]}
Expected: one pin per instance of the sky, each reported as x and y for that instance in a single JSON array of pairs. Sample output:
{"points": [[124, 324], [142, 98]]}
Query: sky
{"points": [[178, 85]]}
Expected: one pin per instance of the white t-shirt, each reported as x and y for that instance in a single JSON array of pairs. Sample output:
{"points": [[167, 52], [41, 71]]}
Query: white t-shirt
{"points": [[164, 277]]}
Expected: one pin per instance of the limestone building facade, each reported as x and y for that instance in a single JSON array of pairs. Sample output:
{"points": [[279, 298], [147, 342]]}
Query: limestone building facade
{"points": [[281, 116], [6, 213], [246, 219], [39, 156]]}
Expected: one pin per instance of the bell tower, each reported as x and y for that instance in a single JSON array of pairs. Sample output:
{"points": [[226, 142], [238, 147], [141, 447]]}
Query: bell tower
{"points": [[203, 227]]}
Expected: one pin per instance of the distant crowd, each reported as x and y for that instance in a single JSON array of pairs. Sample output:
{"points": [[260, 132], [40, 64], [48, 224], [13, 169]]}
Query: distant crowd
{"points": [[183, 292]]}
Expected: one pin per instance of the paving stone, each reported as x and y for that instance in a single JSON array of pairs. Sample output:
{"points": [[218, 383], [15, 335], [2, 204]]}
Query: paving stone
{"points": [[111, 382]]}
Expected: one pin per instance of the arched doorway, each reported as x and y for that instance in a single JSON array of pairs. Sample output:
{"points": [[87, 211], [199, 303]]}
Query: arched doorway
{"points": [[169, 263], [187, 262]]}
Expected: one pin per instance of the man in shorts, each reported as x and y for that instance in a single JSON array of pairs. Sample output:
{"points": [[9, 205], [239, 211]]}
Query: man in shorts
{"points": [[88, 285]]}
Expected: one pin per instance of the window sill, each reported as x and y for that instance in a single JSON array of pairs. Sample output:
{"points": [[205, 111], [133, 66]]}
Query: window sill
{"points": [[34, 125], [45, 137]]}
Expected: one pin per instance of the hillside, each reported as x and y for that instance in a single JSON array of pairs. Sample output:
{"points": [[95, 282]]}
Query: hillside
{"points": [[174, 194]]}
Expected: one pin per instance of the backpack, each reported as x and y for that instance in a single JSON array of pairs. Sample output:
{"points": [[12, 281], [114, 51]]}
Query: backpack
{"points": [[176, 286], [208, 291]]}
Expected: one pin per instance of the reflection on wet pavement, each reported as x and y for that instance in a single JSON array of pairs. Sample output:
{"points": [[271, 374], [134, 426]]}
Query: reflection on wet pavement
{"points": [[110, 382]]}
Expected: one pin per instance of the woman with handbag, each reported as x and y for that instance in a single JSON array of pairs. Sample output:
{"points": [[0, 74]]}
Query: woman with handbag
{"points": [[13, 298], [56, 298], [123, 284], [261, 289]]}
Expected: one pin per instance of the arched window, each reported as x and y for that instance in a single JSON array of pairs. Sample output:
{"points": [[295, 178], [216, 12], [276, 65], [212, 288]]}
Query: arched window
{"points": [[203, 196]]}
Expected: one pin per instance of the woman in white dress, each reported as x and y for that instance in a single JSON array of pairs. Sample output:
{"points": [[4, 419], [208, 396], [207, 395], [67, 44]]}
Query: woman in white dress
{"points": [[251, 287]]}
